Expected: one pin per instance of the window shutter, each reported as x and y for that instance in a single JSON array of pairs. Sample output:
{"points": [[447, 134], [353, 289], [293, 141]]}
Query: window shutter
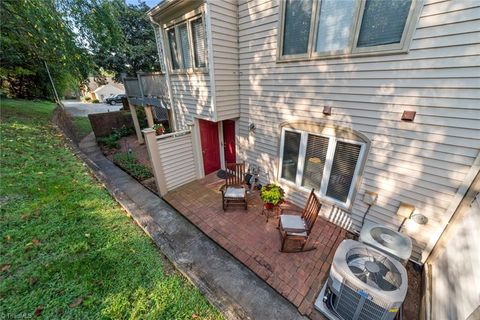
{"points": [[198, 36], [335, 24], [173, 48], [291, 147], [185, 45], [296, 28], [343, 168], [315, 156], [383, 22]]}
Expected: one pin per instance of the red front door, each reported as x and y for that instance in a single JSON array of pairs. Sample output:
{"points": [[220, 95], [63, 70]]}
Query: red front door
{"points": [[229, 141], [210, 148]]}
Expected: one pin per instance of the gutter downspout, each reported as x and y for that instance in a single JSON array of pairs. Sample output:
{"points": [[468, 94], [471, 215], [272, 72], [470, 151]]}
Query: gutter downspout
{"points": [[163, 62]]}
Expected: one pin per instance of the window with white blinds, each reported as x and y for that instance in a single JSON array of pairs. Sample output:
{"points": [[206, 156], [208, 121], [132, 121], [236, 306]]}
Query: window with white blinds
{"points": [[186, 42], [315, 157], [198, 36], [328, 164], [318, 28], [184, 46], [343, 169], [290, 155]]}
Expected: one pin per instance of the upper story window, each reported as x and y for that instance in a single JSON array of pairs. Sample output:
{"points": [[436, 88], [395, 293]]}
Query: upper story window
{"points": [[322, 28], [326, 162], [186, 44]]}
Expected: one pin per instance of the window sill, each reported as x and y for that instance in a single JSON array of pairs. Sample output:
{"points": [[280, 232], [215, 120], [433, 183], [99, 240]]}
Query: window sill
{"points": [[189, 71], [323, 199], [281, 59]]}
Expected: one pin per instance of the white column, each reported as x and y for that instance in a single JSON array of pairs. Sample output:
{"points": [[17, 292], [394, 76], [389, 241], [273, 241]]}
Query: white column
{"points": [[149, 113], [154, 155]]}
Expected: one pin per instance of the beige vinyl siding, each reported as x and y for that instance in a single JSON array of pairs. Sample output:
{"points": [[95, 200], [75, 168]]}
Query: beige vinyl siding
{"points": [[422, 163], [177, 160], [191, 97], [224, 27], [191, 92]]}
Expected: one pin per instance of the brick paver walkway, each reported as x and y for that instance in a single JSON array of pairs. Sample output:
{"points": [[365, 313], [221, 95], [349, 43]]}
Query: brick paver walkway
{"points": [[256, 243]]}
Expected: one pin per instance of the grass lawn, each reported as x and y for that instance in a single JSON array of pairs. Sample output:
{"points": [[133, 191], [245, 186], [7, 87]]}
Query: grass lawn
{"points": [[67, 249], [82, 125]]}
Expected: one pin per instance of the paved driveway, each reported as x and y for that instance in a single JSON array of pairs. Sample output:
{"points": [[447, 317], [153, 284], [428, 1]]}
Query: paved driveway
{"points": [[82, 109]]}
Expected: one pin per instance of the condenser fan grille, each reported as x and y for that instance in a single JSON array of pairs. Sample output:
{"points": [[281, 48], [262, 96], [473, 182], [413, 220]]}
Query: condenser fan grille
{"points": [[388, 238], [374, 269]]}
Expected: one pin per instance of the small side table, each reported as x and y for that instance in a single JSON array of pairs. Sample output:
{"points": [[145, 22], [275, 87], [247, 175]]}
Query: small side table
{"points": [[271, 213]]}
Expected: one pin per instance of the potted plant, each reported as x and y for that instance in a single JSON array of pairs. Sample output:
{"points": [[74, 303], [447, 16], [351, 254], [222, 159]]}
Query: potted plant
{"points": [[159, 128], [272, 195]]}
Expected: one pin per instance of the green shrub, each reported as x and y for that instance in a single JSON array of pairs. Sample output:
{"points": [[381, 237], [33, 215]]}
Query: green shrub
{"points": [[272, 193], [129, 163], [95, 101], [111, 141], [142, 117]]}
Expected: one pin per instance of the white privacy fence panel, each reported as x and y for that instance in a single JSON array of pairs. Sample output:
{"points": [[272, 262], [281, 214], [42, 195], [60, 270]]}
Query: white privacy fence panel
{"points": [[177, 159]]}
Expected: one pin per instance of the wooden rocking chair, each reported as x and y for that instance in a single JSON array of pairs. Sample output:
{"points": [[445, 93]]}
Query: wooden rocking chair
{"points": [[234, 192], [296, 228]]}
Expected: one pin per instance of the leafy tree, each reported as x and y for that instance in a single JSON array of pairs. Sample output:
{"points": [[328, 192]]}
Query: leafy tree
{"points": [[74, 38], [34, 33], [137, 51], [118, 35]]}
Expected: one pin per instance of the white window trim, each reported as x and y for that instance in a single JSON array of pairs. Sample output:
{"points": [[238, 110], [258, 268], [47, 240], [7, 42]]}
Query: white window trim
{"points": [[352, 51], [322, 191], [280, 54], [187, 19]]}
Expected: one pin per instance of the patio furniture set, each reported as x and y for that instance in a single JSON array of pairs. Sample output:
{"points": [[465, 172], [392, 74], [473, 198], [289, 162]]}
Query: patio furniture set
{"points": [[294, 225]]}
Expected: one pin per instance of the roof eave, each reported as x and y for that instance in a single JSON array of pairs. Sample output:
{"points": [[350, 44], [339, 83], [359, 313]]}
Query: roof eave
{"points": [[161, 6]]}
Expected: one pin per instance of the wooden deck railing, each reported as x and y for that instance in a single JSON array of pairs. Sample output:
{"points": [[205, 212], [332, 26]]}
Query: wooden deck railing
{"points": [[147, 88]]}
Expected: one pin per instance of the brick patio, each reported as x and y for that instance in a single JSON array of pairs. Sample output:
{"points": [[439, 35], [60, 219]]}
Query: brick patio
{"points": [[256, 243]]}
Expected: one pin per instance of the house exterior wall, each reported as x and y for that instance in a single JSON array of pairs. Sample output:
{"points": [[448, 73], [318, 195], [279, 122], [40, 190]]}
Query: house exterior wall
{"points": [[199, 94], [191, 94], [454, 272], [224, 36], [422, 162]]}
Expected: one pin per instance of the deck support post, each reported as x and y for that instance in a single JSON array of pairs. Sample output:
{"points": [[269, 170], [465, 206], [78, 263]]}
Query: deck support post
{"points": [[136, 124], [149, 113], [154, 155]]}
